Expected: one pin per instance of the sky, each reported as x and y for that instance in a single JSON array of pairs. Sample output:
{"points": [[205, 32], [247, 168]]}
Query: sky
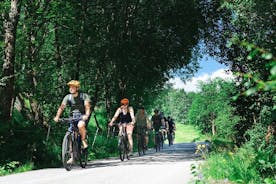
{"points": [[209, 69]]}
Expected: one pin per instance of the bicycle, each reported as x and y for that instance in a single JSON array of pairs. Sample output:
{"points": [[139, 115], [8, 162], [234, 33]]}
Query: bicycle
{"points": [[71, 145], [171, 137], [158, 140], [141, 141], [123, 145]]}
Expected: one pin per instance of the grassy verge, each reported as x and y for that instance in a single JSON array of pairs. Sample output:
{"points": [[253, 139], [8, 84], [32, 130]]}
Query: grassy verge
{"points": [[15, 167], [188, 133]]}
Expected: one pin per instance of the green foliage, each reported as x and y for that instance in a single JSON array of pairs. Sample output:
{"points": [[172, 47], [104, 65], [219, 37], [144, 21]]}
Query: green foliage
{"points": [[15, 167], [174, 103], [238, 167], [213, 104], [111, 47], [188, 133]]}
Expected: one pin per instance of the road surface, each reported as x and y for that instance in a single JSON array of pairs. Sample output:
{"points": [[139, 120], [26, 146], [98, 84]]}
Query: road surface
{"points": [[170, 166]]}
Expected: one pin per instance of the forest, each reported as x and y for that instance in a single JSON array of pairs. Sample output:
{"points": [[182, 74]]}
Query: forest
{"points": [[132, 48]]}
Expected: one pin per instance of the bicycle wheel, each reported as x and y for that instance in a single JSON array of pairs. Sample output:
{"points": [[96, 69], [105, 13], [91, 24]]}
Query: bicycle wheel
{"points": [[157, 143], [121, 148], [66, 151], [140, 148], [83, 155], [170, 139], [143, 144], [126, 150], [161, 141]]}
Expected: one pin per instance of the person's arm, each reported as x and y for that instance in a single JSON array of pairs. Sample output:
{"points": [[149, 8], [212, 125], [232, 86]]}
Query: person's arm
{"points": [[115, 116], [167, 125], [61, 108], [148, 123], [59, 112], [87, 110], [131, 111]]}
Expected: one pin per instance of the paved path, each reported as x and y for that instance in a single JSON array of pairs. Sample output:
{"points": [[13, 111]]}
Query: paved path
{"points": [[170, 166]]}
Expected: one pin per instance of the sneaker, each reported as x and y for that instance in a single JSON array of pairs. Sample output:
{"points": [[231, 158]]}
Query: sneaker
{"points": [[70, 161], [84, 144]]}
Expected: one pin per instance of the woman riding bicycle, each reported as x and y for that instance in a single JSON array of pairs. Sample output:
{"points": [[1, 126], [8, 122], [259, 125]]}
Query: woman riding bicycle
{"points": [[125, 113]]}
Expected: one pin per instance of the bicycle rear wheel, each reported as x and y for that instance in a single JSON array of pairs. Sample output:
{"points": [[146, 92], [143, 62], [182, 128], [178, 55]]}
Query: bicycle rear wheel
{"points": [[170, 139], [126, 148], [83, 155], [157, 142], [140, 144], [66, 151]]}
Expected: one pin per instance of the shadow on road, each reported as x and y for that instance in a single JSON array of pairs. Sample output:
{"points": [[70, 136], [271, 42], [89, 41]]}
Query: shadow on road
{"points": [[174, 153]]}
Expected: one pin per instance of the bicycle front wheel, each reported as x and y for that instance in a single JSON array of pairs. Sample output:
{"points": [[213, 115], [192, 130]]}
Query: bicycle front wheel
{"points": [[67, 151], [121, 148]]}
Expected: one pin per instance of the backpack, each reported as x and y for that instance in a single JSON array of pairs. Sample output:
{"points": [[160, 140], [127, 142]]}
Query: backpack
{"points": [[71, 98]]}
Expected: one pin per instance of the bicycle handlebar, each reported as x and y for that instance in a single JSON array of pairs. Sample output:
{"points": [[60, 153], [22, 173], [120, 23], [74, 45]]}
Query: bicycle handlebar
{"points": [[68, 120]]}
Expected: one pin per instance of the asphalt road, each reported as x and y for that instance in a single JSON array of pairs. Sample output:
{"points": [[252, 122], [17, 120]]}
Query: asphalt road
{"points": [[170, 166]]}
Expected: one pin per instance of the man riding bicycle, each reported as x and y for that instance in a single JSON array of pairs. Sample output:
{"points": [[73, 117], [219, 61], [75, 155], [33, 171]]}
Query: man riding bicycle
{"points": [[143, 124], [171, 127], [125, 113], [157, 121], [80, 102]]}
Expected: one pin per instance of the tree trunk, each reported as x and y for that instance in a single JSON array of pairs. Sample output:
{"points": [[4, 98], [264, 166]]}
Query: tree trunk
{"points": [[10, 26], [80, 52]]}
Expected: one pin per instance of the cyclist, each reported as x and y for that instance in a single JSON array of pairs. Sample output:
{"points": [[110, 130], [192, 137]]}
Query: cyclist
{"points": [[142, 124], [125, 113], [165, 127], [171, 127], [157, 121], [77, 101]]}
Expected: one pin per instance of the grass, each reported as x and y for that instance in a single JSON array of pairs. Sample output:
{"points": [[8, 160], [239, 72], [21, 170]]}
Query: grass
{"points": [[15, 167], [188, 133]]}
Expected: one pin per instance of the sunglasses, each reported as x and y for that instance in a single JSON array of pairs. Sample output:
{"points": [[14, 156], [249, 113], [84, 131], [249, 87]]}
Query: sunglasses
{"points": [[124, 104]]}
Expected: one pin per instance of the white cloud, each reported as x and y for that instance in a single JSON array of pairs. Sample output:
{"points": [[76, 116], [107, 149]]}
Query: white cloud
{"points": [[192, 84]]}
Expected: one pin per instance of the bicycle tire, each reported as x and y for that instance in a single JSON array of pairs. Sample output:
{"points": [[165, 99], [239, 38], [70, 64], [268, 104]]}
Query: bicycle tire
{"points": [[157, 143], [170, 139], [121, 149], [143, 144], [161, 142], [66, 151], [126, 150], [83, 155], [139, 146]]}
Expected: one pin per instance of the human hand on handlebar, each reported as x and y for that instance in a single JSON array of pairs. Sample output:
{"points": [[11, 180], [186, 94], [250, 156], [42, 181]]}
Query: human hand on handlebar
{"points": [[110, 124], [84, 117], [56, 119]]}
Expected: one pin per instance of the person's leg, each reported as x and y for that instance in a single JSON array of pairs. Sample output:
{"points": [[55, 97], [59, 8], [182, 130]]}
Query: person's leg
{"points": [[129, 135], [146, 140], [82, 130]]}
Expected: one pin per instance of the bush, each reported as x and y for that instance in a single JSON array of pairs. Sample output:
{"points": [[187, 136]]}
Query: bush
{"points": [[239, 167], [15, 167]]}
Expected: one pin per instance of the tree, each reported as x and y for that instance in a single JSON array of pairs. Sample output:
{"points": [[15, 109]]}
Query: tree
{"points": [[10, 26]]}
